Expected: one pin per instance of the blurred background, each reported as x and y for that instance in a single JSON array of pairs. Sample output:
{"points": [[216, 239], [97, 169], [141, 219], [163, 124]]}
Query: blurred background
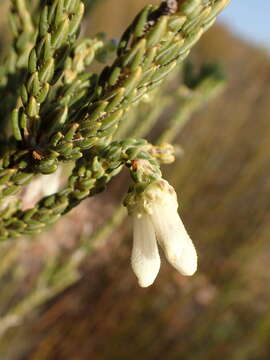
{"points": [[222, 179], [248, 19]]}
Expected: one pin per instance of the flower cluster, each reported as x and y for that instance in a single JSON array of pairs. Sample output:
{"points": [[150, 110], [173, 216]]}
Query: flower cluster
{"points": [[156, 221]]}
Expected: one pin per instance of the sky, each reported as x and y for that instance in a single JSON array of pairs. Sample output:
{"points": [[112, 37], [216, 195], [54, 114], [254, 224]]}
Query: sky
{"points": [[250, 19]]}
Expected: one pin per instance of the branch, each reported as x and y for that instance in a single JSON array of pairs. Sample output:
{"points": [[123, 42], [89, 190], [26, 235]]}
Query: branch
{"points": [[157, 40]]}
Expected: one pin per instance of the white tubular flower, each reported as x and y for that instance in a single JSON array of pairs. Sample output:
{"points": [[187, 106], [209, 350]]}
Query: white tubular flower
{"points": [[156, 220]]}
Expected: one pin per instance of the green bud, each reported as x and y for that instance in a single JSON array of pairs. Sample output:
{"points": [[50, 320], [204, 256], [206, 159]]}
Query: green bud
{"points": [[97, 110], [61, 34], [43, 22], [119, 95], [142, 21], [114, 76], [111, 119], [32, 63], [43, 92], [24, 94], [155, 35], [15, 124], [163, 71], [189, 6], [176, 22], [32, 108], [47, 71], [136, 52], [132, 80], [33, 84], [76, 20], [71, 132]]}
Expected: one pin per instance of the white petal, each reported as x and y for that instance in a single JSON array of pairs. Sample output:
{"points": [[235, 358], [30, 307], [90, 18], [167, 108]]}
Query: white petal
{"points": [[187, 262], [174, 239], [145, 258]]}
